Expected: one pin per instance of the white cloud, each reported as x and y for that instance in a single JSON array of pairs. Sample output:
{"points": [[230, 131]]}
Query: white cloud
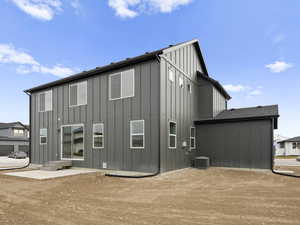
{"points": [[235, 88], [132, 8], [39, 9], [255, 92], [278, 66], [27, 64], [278, 38]]}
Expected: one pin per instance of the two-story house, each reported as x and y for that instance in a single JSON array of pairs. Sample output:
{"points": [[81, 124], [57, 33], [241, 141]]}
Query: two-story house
{"points": [[14, 137], [151, 113]]}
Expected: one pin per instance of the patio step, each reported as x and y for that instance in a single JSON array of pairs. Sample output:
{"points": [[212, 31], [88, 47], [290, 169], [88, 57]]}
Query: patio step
{"points": [[57, 165]]}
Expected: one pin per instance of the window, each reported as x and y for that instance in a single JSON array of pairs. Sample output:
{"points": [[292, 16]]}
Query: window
{"points": [[98, 135], [181, 82], [298, 145], [137, 134], [18, 132], [72, 141], [78, 94], [121, 85], [171, 75], [172, 135], [282, 145], [45, 101], [193, 138], [43, 136], [294, 145]]}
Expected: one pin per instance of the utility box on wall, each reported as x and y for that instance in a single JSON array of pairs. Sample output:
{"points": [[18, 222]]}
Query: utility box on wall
{"points": [[201, 162]]}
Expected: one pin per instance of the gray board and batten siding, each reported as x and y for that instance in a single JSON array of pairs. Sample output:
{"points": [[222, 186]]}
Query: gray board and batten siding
{"points": [[116, 116]]}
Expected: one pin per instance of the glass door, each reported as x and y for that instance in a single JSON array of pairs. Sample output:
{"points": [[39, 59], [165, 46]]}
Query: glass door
{"points": [[72, 142]]}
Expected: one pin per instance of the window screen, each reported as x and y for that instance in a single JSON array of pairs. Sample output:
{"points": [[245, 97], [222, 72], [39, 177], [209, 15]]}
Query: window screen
{"points": [[78, 94], [98, 135], [121, 85], [137, 134], [43, 136], [193, 138], [45, 101], [172, 135], [115, 86]]}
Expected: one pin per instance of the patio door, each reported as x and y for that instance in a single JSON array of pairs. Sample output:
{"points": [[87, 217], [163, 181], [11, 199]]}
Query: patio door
{"points": [[72, 142]]}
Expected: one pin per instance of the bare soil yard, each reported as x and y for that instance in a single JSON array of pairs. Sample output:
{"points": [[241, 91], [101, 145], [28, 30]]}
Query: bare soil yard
{"points": [[190, 196]]}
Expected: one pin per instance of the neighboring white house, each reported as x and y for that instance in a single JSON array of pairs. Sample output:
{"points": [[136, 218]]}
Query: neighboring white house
{"points": [[278, 138], [290, 146]]}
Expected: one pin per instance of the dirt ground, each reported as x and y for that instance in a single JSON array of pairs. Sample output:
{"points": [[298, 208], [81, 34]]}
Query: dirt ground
{"points": [[210, 197]]}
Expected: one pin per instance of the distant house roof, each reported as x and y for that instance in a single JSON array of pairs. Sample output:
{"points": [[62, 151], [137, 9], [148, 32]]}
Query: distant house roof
{"points": [[120, 64], [251, 113], [216, 84], [294, 139], [13, 124]]}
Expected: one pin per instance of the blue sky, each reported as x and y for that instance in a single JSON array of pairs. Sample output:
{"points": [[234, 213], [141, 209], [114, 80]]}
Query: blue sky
{"points": [[251, 47]]}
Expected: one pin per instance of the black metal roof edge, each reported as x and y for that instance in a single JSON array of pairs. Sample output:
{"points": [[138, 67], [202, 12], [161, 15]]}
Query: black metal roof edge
{"points": [[212, 121], [86, 74], [201, 58], [216, 84]]}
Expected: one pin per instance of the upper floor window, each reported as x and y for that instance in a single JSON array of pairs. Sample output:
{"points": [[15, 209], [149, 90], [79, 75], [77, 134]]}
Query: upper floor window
{"points": [[18, 132], [121, 85], [45, 101], [98, 135], [281, 144], [78, 94], [193, 138], [294, 145], [137, 134], [172, 134], [171, 75]]}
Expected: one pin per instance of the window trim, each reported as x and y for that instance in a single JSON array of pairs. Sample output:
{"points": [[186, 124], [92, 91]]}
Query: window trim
{"points": [[86, 97], [39, 101], [174, 135], [109, 85], [137, 134], [94, 147], [192, 137], [43, 136], [61, 140]]}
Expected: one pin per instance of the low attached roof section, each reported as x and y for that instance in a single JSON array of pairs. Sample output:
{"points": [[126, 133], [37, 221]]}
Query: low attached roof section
{"points": [[244, 114], [294, 139], [216, 84], [120, 64]]}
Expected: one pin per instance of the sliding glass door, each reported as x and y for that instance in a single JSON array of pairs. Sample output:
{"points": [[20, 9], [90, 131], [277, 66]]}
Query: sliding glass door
{"points": [[72, 137]]}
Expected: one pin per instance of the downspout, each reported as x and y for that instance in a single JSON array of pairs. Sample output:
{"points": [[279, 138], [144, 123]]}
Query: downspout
{"points": [[273, 155], [158, 166], [29, 152]]}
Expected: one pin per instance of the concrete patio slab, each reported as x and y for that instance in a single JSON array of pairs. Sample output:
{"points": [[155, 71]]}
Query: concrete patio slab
{"points": [[43, 175]]}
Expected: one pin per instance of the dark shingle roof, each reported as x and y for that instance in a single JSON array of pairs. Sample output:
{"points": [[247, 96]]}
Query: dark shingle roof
{"points": [[259, 111], [244, 114], [294, 139], [4, 138], [117, 65], [12, 124], [216, 84]]}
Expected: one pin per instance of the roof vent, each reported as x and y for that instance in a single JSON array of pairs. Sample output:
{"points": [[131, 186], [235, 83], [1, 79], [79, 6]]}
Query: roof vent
{"points": [[259, 106], [171, 45], [232, 109]]}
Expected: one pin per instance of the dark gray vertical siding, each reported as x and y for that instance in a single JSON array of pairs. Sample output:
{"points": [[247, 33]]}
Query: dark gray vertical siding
{"points": [[219, 102], [115, 115], [179, 105], [236, 144]]}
